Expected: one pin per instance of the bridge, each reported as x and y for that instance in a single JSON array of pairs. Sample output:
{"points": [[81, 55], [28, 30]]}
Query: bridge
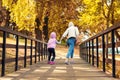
{"points": [[90, 61]]}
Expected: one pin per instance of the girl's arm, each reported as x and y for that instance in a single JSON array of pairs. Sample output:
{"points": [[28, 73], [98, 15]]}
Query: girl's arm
{"points": [[57, 42]]}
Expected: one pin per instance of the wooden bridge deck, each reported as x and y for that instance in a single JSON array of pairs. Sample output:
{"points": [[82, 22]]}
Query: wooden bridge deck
{"points": [[80, 70]]}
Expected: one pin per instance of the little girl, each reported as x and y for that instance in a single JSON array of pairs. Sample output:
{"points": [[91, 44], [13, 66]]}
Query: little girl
{"points": [[51, 48]]}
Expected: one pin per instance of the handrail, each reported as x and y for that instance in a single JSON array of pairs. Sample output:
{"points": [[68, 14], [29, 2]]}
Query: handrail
{"points": [[37, 52], [95, 50]]}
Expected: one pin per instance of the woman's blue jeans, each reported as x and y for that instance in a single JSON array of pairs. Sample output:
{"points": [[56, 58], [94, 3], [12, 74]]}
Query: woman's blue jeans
{"points": [[71, 43]]}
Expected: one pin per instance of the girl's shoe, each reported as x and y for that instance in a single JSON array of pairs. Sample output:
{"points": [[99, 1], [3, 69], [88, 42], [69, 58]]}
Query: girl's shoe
{"points": [[52, 62]]}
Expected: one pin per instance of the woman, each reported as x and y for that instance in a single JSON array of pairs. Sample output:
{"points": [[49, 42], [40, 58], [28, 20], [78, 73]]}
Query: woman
{"points": [[72, 33]]}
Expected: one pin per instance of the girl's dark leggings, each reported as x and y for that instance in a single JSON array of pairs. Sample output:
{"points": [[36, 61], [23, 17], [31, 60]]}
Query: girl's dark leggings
{"points": [[51, 56]]}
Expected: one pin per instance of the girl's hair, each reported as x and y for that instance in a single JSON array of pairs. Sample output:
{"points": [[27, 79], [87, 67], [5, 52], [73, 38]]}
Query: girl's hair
{"points": [[53, 35]]}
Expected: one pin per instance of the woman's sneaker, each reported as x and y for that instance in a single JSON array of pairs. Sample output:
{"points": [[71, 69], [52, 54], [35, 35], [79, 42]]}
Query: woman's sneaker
{"points": [[67, 63]]}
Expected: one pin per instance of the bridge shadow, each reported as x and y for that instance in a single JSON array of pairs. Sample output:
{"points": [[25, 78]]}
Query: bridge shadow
{"points": [[80, 70]]}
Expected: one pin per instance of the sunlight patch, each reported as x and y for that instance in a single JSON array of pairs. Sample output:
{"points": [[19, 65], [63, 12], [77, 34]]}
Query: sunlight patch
{"points": [[15, 74], [60, 67], [24, 69], [59, 71], [6, 78], [54, 79], [38, 70], [45, 67], [80, 68]]}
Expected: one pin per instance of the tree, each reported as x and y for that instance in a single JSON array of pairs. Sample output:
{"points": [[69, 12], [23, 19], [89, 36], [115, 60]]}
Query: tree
{"points": [[99, 15], [23, 17]]}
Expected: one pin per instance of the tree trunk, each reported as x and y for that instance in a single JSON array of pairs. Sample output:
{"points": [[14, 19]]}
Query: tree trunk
{"points": [[0, 4], [45, 27], [1, 12]]}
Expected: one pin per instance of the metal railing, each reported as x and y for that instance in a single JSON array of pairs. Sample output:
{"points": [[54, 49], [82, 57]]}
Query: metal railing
{"points": [[31, 53], [97, 52]]}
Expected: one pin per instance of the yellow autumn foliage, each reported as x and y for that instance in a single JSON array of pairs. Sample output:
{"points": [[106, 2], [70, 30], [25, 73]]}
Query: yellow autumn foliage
{"points": [[23, 13]]}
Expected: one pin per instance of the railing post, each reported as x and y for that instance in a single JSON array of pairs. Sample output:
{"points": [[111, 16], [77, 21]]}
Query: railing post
{"points": [[39, 51], [25, 52], [89, 53], [87, 50], [83, 55], [16, 59], [45, 51], [36, 51], [97, 55], [92, 51], [3, 53], [103, 51], [31, 50], [80, 52], [113, 54]]}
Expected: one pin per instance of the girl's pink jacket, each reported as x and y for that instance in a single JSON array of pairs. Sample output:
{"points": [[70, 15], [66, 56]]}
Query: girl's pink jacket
{"points": [[52, 41]]}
